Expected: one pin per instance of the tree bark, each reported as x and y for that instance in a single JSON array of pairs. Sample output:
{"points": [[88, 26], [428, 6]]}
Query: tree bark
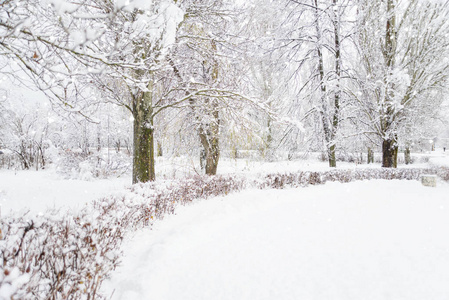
{"points": [[337, 95], [212, 154], [209, 132], [389, 145], [324, 111], [331, 156], [389, 153], [370, 156], [143, 158], [267, 146], [330, 122], [209, 137], [407, 157]]}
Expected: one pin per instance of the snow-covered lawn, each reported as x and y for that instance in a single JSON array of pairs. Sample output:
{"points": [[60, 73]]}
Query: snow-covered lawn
{"points": [[360, 240], [38, 190], [180, 167]]}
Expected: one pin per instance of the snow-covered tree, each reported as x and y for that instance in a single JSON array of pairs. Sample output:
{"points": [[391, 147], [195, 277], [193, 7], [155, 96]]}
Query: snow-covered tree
{"points": [[403, 48], [125, 42], [317, 34]]}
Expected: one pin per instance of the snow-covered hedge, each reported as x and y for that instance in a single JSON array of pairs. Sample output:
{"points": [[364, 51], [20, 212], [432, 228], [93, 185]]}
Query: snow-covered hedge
{"points": [[281, 180], [68, 255]]}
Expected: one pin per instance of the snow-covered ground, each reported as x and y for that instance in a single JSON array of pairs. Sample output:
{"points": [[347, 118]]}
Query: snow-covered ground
{"points": [[182, 166], [38, 190], [360, 240]]}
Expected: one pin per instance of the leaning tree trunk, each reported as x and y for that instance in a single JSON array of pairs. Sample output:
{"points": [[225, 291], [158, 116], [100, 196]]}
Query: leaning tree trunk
{"points": [[143, 159]]}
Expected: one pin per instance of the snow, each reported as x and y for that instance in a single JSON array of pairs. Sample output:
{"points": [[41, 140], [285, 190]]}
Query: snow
{"points": [[251, 164], [38, 190], [61, 6], [360, 240], [441, 161]]}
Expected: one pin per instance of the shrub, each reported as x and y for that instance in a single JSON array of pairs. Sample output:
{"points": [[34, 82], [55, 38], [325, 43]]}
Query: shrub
{"points": [[77, 165], [282, 180], [68, 255]]}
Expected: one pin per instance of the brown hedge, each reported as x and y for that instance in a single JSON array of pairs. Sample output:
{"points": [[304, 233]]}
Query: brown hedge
{"points": [[65, 255]]}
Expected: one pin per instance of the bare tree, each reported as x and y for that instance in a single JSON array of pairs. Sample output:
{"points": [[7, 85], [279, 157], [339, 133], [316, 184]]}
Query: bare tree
{"points": [[317, 37]]}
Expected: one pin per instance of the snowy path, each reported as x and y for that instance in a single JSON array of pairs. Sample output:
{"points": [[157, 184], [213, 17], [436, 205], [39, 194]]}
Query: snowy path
{"points": [[362, 240]]}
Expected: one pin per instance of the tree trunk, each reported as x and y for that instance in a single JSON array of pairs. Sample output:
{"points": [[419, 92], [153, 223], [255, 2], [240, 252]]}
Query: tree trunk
{"points": [[329, 116], [143, 159], [370, 156], [331, 156], [337, 95], [210, 141], [212, 153], [209, 132], [203, 159], [324, 111], [389, 153], [389, 145], [269, 147], [159, 149], [407, 156]]}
